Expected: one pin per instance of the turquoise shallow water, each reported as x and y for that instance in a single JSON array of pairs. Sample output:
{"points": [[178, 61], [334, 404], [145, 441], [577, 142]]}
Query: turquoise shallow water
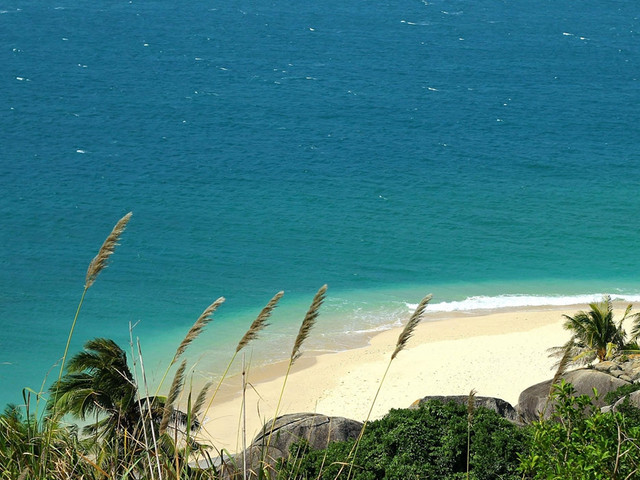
{"points": [[478, 150]]}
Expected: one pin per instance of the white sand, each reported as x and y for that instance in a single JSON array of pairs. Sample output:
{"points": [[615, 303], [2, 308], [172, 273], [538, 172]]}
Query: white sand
{"points": [[498, 355]]}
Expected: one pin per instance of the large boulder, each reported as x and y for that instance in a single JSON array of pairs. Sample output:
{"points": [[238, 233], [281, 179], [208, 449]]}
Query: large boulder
{"points": [[502, 408], [318, 430], [534, 400]]}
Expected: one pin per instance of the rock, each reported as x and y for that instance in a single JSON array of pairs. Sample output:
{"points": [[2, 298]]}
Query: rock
{"points": [[318, 430], [533, 400], [606, 366], [634, 400], [502, 408]]}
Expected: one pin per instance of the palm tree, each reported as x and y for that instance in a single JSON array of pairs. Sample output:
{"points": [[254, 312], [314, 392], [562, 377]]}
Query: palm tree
{"points": [[98, 382], [595, 333]]}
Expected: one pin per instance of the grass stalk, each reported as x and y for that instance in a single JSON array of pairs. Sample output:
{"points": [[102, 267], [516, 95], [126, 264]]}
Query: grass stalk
{"points": [[174, 392], [563, 364], [305, 328], [244, 418], [259, 324], [403, 338], [148, 402], [139, 401], [471, 407], [193, 333], [71, 330], [97, 264]]}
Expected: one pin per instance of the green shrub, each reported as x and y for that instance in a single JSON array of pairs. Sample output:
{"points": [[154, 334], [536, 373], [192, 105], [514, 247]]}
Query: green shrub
{"points": [[426, 443], [612, 397], [582, 443]]}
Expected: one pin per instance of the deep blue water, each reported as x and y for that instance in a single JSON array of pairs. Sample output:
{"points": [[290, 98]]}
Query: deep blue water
{"points": [[388, 149]]}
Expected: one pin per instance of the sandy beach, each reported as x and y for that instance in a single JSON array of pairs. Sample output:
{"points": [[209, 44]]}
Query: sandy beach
{"points": [[498, 354]]}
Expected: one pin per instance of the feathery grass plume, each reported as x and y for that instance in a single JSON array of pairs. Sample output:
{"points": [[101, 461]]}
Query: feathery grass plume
{"points": [[199, 403], [563, 364], [403, 338], [96, 265], [192, 334], [411, 325], [197, 328], [305, 328], [471, 408], [308, 323], [99, 262], [174, 391], [471, 404], [258, 325], [260, 322]]}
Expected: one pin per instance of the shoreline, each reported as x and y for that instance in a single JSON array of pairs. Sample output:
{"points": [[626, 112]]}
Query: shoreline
{"points": [[498, 353]]}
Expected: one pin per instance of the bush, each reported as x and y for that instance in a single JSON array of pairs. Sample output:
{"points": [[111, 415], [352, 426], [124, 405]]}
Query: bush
{"points": [[582, 443], [612, 397], [426, 443]]}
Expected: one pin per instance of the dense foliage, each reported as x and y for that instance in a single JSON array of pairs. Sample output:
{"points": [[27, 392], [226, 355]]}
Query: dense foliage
{"points": [[578, 442], [615, 395], [427, 443], [582, 443]]}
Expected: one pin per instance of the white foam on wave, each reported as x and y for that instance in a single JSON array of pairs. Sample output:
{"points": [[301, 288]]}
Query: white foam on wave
{"points": [[518, 301], [377, 329]]}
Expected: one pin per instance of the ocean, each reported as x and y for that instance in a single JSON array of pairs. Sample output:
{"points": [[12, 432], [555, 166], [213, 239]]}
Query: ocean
{"points": [[483, 151]]}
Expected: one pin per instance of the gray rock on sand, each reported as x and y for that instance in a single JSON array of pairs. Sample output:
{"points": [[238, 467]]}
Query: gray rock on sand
{"points": [[501, 407], [318, 430], [533, 400]]}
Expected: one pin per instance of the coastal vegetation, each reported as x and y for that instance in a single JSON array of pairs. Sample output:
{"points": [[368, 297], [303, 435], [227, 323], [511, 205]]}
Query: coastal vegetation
{"points": [[428, 442], [596, 335], [131, 433]]}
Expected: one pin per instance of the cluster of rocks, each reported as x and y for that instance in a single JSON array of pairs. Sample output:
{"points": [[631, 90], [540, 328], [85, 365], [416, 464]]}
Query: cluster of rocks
{"points": [[320, 430], [625, 368]]}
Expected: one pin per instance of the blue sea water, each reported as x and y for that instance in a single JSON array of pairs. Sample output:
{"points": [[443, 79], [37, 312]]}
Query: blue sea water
{"points": [[485, 151]]}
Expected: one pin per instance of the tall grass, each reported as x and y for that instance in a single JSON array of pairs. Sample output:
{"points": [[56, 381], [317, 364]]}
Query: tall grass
{"points": [[97, 265], [296, 352], [165, 439], [401, 343]]}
